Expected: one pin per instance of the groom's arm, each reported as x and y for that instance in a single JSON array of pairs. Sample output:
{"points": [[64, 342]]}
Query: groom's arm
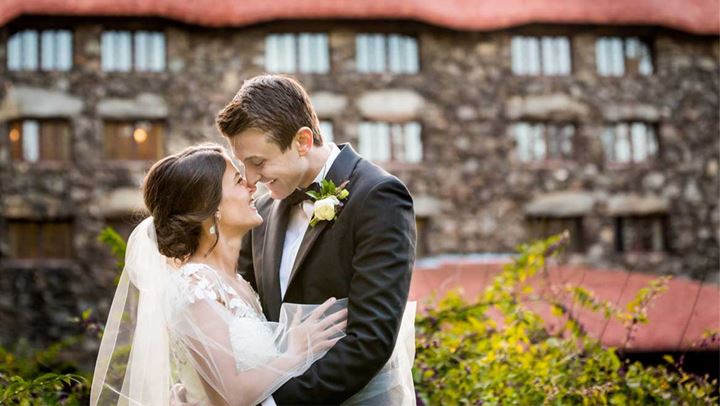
{"points": [[384, 256], [245, 261]]}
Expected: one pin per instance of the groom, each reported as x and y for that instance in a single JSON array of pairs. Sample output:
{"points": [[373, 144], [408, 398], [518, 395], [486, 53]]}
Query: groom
{"points": [[365, 252]]}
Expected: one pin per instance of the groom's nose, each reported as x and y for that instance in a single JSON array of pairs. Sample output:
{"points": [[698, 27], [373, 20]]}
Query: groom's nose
{"points": [[252, 175]]}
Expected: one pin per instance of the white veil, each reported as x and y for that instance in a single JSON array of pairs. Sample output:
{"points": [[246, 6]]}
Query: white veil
{"points": [[185, 336], [133, 363]]}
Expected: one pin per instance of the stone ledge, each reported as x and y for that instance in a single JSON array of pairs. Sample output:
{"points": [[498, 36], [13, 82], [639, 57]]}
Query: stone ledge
{"points": [[556, 106], [633, 204], [561, 204], [23, 101], [393, 105], [144, 106]]}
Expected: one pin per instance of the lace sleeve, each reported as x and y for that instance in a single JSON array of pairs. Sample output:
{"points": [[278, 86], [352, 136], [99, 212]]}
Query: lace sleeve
{"points": [[243, 360]]}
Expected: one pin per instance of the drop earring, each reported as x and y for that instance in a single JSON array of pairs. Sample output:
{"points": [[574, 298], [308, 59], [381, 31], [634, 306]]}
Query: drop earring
{"points": [[213, 228]]}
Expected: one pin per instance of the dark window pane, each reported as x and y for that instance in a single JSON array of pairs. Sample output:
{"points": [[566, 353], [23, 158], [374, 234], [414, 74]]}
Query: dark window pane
{"points": [[544, 227], [16, 141], [24, 239], [54, 141], [56, 240], [131, 141]]}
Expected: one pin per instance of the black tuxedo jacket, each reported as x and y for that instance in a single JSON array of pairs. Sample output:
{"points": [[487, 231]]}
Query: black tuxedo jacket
{"points": [[366, 254]]}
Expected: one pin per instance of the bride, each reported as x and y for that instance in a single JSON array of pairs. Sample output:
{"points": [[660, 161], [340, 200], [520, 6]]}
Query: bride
{"points": [[183, 327]]}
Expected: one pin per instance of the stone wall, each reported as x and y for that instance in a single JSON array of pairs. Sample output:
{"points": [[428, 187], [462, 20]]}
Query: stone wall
{"points": [[471, 190]]}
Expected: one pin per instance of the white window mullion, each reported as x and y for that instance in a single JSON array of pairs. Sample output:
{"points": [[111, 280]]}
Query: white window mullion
{"points": [[31, 140], [623, 152], [361, 52], [65, 50], [141, 50], [378, 59], [14, 52], [48, 50], [522, 138], [549, 65], [413, 142], [323, 53], [271, 53], [29, 50]]}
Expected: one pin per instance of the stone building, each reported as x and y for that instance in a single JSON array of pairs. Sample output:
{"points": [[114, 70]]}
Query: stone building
{"points": [[506, 124]]}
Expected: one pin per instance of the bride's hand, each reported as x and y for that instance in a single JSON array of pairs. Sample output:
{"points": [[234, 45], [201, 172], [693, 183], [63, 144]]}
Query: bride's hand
{"points": [[315, 334]]}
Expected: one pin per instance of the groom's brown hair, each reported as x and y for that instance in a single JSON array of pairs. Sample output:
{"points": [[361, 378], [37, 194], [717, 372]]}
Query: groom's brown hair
{"points": [[275, 104]]}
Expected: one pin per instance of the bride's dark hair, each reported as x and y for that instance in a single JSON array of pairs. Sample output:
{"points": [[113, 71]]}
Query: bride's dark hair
{"points": [[181, 191]]}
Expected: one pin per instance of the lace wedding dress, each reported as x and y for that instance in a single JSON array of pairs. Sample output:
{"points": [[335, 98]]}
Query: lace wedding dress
{"points": [[195, 336]]}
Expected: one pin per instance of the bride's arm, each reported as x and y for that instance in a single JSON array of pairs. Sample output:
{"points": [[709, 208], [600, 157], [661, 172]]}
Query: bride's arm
{"points": [[247, 368]]}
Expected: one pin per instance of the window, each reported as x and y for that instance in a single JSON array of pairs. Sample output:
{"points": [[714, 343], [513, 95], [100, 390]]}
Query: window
{"points": [[133, 140], [48, 50], [39, 140], [40, 240], [640, 233], [629, 142], [326, 129], [125, 50], [304, 53], [382, 142], [617, 56], [386, 53], [542, 141], [544, 227], [540, 55]]}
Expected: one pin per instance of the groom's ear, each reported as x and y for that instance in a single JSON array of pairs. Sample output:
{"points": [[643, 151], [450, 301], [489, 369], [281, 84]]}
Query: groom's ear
{"points": [[304, 140]]}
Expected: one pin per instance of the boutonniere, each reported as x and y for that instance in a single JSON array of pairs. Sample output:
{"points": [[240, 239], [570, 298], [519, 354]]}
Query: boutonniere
{"points": [[328, 201]]}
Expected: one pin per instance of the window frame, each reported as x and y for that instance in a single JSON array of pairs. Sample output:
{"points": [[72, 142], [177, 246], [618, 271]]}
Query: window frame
{"points": [[539, 37], [161, 124], [646, 40], [640, 221], [39, 49], [297, 52], [41, 230], [133, 57], [386, 38], [41, 121], [651, 129], [393, 145]]}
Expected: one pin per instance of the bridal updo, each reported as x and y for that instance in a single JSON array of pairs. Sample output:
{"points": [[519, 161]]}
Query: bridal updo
{"points": [[181, 191]]}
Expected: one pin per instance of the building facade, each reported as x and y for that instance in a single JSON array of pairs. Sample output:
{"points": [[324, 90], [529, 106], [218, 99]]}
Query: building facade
{"points": [[610, 132]]}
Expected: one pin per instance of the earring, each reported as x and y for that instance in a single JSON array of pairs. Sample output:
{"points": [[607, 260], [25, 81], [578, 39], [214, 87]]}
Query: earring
{"points": [[212, 229]]}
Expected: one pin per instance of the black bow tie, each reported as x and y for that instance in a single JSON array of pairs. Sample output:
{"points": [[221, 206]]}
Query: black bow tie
{"points": [[300, 195]]}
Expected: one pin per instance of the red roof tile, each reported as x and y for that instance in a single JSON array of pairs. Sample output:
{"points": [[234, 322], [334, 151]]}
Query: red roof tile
{"points": [[676, 320], [697, 16]]}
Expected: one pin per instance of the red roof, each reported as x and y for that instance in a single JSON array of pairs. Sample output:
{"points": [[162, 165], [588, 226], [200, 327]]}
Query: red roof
{"points": [[697, 16], [678, 318]]}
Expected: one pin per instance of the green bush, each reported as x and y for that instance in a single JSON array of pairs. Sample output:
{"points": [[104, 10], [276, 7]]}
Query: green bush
{"points": [[41, 377], [31, 377], [465, 357]]}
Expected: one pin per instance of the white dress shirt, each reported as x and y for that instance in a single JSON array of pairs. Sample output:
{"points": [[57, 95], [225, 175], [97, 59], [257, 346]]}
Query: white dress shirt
{"points": [[297, 225]]}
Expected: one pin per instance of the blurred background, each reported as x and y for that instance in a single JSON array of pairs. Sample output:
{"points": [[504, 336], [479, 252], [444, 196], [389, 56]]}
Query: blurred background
{"points": [[508, 120]]}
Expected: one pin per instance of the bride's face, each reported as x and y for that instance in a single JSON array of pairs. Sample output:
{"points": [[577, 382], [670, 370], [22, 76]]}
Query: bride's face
{"points": [[237, 207]]}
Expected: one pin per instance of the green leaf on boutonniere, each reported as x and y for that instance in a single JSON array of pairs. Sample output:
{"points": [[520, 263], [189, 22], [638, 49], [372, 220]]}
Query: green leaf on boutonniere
{"points": [[313, 194]]}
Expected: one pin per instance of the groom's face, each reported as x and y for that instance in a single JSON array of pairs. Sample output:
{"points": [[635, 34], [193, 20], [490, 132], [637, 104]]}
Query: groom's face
{"points": [[280, 171]]}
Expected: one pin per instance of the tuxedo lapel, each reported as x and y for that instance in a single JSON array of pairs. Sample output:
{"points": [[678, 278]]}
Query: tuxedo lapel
{"points": [[339, 172], [274, 240]]}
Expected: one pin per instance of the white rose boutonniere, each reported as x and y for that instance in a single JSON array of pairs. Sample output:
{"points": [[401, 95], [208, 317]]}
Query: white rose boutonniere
{"points": [[328, 201]]}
